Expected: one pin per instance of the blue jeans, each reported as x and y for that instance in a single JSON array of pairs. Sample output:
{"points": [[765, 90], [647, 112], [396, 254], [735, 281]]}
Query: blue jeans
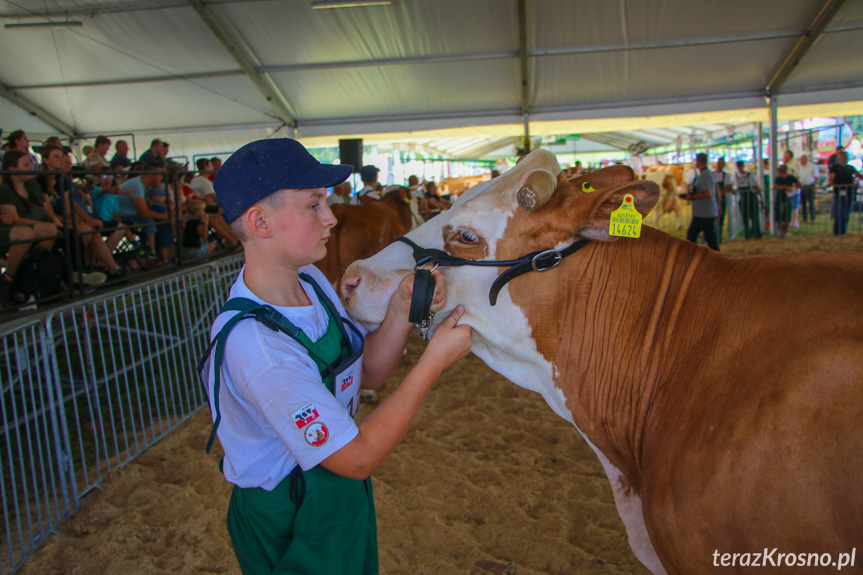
{"points": [[163, 230], [200, 253]]}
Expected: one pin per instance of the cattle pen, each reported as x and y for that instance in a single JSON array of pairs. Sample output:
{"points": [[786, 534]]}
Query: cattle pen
{"points": [[488, 480]]}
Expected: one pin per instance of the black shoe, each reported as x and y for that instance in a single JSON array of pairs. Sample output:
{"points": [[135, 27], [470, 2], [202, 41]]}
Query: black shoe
{"points": [[116, 273], [6, 292]]}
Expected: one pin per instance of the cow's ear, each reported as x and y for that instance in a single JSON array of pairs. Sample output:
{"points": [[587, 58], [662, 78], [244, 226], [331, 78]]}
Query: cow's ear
{"points": [[597, 207], [609, 177]]}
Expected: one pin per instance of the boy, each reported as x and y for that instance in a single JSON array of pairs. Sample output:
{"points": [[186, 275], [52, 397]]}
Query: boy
{"points": [[195, 231], [289, 379]]}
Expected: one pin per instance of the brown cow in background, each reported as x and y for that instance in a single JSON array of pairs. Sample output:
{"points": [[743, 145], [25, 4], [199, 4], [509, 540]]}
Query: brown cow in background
{"points": [[364, 230]]}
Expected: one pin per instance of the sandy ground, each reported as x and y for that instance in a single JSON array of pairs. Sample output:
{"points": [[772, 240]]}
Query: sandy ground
{"points": [[488, 480]]}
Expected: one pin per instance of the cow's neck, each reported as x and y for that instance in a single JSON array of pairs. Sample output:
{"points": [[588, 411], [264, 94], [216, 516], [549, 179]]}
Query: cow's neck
{"points": [[607, 320]]}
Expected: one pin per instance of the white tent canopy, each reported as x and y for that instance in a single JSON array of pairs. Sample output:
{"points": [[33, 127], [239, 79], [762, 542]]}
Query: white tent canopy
{"points": [[218, 73]]}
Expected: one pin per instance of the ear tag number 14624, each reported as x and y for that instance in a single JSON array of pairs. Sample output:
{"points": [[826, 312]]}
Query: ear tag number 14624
{"points": [[625, 220]]}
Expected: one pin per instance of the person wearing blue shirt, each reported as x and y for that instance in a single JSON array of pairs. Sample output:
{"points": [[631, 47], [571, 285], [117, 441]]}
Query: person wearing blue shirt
{"points": [[133, 197]]}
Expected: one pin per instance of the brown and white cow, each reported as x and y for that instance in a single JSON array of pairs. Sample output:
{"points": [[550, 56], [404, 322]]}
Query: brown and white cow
{"points": [[669, 202], [724, 397]]}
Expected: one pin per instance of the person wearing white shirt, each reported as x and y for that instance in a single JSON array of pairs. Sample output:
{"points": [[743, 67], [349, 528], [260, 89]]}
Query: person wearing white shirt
{"points": [[809, 175], [201, 184], [793, 169], [747, 186], [723, 187]]}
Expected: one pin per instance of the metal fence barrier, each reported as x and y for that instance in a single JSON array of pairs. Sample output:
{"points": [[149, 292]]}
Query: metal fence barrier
{"points": [[832, 205], [87, 387]]}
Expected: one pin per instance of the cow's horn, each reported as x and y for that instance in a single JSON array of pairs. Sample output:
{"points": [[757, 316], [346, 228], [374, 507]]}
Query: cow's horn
{"points": [[536, 191]]}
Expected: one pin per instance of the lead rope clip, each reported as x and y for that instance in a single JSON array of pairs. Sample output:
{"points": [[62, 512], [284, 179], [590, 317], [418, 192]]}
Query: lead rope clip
{"points": [[424, 326]]}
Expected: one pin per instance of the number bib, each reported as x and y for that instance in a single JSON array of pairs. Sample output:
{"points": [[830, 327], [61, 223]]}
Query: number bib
{"points": [[347, 376]]}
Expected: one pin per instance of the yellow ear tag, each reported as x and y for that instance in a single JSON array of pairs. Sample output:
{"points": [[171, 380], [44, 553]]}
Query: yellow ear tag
{"points": [[587, 187], [625, 220]]}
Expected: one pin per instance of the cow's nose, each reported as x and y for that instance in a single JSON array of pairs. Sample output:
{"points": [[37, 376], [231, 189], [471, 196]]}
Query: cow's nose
{"points": [[349, 284]]}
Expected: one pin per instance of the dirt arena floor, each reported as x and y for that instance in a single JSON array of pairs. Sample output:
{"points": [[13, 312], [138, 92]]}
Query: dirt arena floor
{"points": [[487, 481]]}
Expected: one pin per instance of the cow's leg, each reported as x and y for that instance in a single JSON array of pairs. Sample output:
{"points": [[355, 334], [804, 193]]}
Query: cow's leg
{"points": [[629, 509]]}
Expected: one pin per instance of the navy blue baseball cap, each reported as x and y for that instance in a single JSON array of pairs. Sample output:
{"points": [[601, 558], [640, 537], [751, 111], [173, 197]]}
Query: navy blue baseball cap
{"points": [[263, 167]]}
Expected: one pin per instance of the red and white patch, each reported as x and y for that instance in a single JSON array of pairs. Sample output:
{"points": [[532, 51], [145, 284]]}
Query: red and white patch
{"points": [[347, 382], [305, 415], [316, 434]]}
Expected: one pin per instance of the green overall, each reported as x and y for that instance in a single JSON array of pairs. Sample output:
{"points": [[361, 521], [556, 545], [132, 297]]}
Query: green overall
{"points": [[314, 521], [750, 210]]}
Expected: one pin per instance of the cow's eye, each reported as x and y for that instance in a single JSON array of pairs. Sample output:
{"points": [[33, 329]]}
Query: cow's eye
{"points": [[467, 237]]}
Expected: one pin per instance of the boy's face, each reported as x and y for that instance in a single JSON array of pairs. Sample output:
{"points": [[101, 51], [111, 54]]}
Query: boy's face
{"points": [[303, 225]]}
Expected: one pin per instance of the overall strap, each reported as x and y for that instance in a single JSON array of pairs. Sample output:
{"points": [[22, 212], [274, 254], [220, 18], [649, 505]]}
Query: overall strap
{"points": [[329, 306], [244, 306]]}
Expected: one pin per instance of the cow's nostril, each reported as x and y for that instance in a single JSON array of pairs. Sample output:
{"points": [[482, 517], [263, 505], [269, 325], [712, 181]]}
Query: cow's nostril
{"points": [[349, 284]]}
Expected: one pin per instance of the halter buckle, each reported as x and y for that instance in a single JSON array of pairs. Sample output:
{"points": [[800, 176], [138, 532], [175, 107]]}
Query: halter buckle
{"points": [[540, 266]]}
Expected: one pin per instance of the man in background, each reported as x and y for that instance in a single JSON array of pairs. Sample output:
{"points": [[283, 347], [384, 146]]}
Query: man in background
{"points": [[705, 212], [809, 176], [371, 188], [121, 160]]}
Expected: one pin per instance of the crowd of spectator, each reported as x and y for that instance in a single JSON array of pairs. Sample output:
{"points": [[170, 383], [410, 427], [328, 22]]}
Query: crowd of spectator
{"points": [[428, 200], [105, 217]]}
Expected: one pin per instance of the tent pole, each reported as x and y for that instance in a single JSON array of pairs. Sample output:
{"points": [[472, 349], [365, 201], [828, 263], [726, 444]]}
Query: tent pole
{"points": [[774, 150], [758, 156], [522, 55]]}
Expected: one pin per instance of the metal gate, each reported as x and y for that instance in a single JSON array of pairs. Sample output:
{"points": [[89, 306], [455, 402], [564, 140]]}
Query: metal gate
{"points": [[89, 386]]}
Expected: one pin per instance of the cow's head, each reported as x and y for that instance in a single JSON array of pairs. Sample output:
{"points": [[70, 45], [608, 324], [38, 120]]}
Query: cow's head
{"points": [[529, 208]]}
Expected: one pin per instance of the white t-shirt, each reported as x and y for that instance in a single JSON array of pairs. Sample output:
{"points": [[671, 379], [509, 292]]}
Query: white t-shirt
{"points": [[366, 191], [745, 180], [202, 186], [809, 174], [271, 390], [793, 168]]}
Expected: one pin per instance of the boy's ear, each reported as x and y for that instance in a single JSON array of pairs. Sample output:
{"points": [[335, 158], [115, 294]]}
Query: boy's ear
{"points": [[595, 209], [256, 222]]}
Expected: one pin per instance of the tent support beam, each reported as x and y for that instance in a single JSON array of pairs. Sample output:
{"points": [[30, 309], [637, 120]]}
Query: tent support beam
{"points": [[759, 156], [247, 61], [815, 29], [101, 9], [439, 59], [774, 151], [13, 96], [522, 56]]}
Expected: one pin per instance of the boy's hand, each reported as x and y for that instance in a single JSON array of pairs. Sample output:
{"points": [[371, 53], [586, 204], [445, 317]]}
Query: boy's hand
{"points": [[404, 293], [450, 341]]}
